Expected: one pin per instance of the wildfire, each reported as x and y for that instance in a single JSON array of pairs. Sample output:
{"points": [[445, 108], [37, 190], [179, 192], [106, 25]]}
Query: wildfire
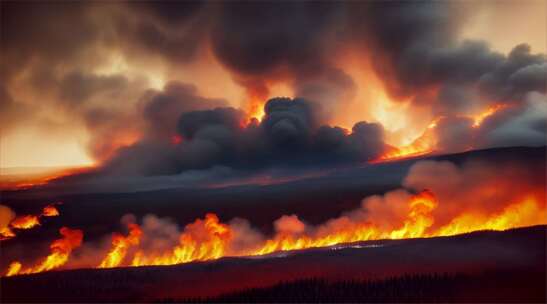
{"points": [[511, 216], [208, 238], [255, 106], [426, 143], [422, 145], [418, 220], [201, 240], [60, 252], [25, 222], [480, 117], [49, 211], [6, 233], [120, 246]]}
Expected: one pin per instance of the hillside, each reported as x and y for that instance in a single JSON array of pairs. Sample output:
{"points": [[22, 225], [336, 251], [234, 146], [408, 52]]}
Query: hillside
{"points": [[516, 252]]}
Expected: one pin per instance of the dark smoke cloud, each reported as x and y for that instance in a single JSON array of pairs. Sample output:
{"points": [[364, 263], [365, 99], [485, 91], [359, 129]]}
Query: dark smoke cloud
{"points": [[519, 125], [53, 47], [258, 41], [523, 125], [289, 135], [519, 73], [162, 109]]}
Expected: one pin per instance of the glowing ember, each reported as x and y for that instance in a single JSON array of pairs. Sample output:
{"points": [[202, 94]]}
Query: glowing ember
{"points": [[60, 252], [13, 269], [25, 222], [50, 210], [6, 233]]}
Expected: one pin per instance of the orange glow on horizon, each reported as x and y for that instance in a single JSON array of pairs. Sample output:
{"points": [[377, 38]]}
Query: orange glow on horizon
{"points": [[32, 180]]}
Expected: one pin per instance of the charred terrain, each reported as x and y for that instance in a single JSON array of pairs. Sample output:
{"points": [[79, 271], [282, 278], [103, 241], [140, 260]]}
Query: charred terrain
{"points": [[486, 266]]}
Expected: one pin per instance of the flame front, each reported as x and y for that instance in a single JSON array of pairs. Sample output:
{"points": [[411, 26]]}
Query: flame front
{"points": [[60, 252], [518, 214], [120, 246], [201, 240], [208, 238], [25, 222]]}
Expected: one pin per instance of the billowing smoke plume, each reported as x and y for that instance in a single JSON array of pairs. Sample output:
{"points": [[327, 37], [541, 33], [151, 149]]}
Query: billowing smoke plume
{"points": [[130, 74], [290, 134]]}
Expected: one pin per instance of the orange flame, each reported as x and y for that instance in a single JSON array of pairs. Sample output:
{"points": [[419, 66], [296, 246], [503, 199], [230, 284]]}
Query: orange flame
{"points": [[50, 210], [208, 238], [426, 143], [418, 220], [423, 145], [25, 222], [6, 233], [120, 246], [60, 252], [480, 117], [201, 240], [523, 213], [255, 103]]}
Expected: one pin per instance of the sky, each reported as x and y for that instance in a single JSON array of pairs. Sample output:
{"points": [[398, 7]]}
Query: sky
{"points": [[107, 83]]}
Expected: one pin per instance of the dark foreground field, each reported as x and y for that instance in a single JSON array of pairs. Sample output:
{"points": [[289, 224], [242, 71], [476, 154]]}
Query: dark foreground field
{"points": [[491, 287], [477, 267]]}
